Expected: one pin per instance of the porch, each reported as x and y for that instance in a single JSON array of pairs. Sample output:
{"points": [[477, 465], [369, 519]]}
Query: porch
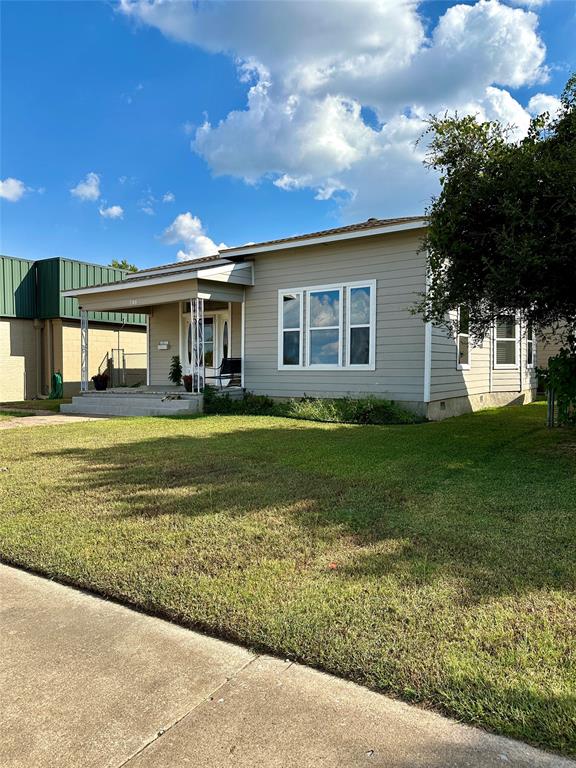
{"points": [[194, 314]]}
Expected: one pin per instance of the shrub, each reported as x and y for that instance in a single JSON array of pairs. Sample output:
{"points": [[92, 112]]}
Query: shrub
{"points": [[368, 410], [175, 374], [560, 380]]}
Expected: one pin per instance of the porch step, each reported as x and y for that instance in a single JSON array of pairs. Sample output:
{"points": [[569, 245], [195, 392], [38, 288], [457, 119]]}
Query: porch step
{"points": [[109, 404]]}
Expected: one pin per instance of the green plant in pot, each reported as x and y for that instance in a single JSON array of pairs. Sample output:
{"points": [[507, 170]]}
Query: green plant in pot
{"points": [[175, 374]]}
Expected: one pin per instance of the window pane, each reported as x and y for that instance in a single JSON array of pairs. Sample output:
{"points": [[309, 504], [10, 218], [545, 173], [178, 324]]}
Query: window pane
{"points": [[189, 344], [291, 310], [530, 332], [324, 347], [463, 350], [324, 308], [208, 329], [359, 346], [360, 306], [506, 328], [506, 352], [209, 354], [291, 351], [464, 324], [530, 354]]}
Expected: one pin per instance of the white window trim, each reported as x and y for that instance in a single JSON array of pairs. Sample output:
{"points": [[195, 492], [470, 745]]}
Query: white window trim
{"points": [[340, 327], [462, 366], [281, 329], [371, 364], [506, 366], [343, 359]]}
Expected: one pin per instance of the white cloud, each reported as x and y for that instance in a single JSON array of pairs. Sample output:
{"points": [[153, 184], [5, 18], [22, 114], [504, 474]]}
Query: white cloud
{"points": [[112, 212], [188, 230], [168, 197], [12, 189], [303, 125], [544, 102], [88, 189]]}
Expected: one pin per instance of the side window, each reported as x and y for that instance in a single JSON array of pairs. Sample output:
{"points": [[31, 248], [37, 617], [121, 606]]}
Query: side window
{"points": [[463, 339], [530, 344], [506, 342]]}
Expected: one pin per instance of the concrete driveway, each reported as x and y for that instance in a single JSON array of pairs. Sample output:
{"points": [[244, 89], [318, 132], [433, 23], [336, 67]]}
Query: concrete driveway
{"points": [[88, 683]]}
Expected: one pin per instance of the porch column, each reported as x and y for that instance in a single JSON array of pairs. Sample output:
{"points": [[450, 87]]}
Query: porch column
{"points": [[197, 321], [83, 350]]}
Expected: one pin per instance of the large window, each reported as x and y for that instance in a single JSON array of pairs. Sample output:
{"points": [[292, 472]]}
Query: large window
{"points": [[324, 321], [463, 339], [327, 327], [506, 342]]}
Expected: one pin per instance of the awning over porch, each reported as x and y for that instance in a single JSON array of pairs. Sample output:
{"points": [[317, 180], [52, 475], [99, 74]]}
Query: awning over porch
{"points": [[224, 281]]}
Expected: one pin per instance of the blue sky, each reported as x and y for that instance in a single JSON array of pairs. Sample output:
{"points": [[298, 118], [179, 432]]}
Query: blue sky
{"points": [[210, 123]]}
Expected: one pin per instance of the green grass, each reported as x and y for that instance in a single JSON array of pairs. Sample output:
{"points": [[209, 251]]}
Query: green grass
{"points": [[6, 414], [435, 562], [36, 405]]}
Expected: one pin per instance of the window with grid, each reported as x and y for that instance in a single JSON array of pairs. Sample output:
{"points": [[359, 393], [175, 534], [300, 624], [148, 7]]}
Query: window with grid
{"points": [[506, 342]]}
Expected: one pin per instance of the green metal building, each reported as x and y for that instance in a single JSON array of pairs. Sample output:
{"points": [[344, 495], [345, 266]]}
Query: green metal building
{"points": [[39, 328]]}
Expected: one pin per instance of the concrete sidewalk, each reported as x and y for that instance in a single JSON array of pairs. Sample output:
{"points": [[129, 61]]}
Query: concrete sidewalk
{"points": [[43, 419], [85, 682]]}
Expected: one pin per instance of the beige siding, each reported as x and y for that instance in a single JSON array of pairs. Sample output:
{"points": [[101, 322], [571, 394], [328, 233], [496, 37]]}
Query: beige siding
{"points": [[164, 326], [236, 328], [398, 268], [481, 378], [17, 360], [101, 340]]}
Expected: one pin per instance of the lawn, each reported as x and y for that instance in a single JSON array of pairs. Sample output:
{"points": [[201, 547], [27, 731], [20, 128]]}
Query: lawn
{"points": [[435, 562]]}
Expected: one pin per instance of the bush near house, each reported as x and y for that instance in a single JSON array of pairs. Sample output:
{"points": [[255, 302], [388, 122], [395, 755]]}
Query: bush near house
{"points": [[344, 410]]}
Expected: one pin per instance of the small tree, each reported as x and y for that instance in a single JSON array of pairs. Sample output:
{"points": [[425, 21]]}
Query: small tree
{"points": [[175, 374], [125, 265]]}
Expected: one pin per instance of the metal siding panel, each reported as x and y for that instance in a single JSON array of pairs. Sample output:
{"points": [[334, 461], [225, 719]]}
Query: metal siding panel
{"points": [[77, 274], [17, 287]]}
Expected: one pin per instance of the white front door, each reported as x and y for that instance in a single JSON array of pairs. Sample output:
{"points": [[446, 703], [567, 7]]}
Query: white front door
{"points": [[216, 341]]}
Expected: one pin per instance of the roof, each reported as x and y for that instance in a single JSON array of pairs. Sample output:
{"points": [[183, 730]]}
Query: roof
{"points": [[349, 228], [366, 228]]}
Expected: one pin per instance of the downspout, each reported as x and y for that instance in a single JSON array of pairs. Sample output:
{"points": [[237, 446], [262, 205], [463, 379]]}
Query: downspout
{"points": [[427, 347], [242, 337], [38, 325]]}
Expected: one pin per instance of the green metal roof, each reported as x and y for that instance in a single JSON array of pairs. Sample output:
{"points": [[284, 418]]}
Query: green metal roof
{"points": [[30, 289]]}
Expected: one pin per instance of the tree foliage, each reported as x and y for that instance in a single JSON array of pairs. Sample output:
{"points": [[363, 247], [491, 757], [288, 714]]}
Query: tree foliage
{"points": [[502, 234], [123, 265]]}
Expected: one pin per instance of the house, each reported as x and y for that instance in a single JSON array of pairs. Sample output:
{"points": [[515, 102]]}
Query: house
{"points": [[325, 314], [40, 328]]}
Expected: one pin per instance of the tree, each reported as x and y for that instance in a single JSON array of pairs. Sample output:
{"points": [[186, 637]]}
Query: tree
{"points": [[123, 265], [502, 232]]}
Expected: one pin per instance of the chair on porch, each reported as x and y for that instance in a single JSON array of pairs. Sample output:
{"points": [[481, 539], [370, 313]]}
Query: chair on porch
{"points": [[230, 369]]}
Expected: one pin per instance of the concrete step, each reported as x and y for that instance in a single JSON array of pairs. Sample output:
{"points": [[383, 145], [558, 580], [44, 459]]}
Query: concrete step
{"points": [[110, 405]]}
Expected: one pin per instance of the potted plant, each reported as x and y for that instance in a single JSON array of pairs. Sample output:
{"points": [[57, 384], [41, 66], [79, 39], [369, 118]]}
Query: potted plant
{"points": [[100, 381], [187, 383], [175, 374]]}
